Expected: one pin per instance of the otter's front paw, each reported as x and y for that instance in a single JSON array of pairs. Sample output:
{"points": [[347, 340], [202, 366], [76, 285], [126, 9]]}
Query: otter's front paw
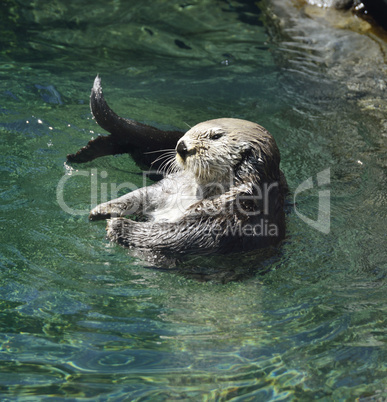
{"points": [[119, 230], [104, 211]]}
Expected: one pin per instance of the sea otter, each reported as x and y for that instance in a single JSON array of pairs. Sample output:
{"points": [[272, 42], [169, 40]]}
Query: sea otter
{"points": [[223, 190], [224, 195]]}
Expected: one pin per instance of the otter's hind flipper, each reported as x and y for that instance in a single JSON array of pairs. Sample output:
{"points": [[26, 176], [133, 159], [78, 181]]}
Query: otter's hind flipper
{"points": [[126, 136]]}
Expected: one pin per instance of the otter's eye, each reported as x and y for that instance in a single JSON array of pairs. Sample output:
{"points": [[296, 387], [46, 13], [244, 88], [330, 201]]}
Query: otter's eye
{"points": [[216, 136]]}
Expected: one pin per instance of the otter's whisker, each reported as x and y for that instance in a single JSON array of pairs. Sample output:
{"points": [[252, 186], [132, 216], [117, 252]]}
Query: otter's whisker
{"points": [[173, 168], [160, 158], [165, 156], [159, 150], [169, 164], [164, 166]]}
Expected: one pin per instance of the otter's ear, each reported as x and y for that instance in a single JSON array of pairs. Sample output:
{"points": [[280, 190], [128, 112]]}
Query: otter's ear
{"points": [[255, 155], [256, 160], [249, 156], [246, 147]]}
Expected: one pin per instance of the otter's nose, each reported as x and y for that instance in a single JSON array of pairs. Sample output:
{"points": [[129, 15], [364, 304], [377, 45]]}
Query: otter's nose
{"points": [[182, 149]]}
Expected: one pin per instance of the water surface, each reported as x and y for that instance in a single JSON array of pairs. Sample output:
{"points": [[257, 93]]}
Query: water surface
{"points": [[79, 318]]}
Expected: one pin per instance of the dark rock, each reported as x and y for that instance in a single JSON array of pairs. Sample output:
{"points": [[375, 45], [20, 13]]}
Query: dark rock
{"points": [[374, 11]]}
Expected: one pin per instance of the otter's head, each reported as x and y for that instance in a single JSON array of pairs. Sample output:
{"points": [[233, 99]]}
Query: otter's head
{"points": [[224, 150]]}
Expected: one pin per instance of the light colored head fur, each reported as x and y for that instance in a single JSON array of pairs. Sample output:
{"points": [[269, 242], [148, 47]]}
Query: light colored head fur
{"points": [[216, 151]]}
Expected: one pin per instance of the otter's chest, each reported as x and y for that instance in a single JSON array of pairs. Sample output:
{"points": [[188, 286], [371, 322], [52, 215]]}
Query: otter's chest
{"points": [[174, 200]]}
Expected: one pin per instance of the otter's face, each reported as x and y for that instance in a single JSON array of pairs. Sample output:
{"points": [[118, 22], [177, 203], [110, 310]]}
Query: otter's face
{"points": [[216, 151], [210, 152]]}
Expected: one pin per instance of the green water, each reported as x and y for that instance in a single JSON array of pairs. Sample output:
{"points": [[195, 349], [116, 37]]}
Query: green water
{"points": [[80, 319]]}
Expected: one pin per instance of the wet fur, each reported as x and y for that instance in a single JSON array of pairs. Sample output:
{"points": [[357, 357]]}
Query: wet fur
{"points": [[228, 162]]}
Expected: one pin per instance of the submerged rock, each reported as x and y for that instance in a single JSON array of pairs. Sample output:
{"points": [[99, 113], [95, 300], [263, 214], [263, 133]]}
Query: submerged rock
{"points": [[372, 10], [338, 4], [345, 47]]}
